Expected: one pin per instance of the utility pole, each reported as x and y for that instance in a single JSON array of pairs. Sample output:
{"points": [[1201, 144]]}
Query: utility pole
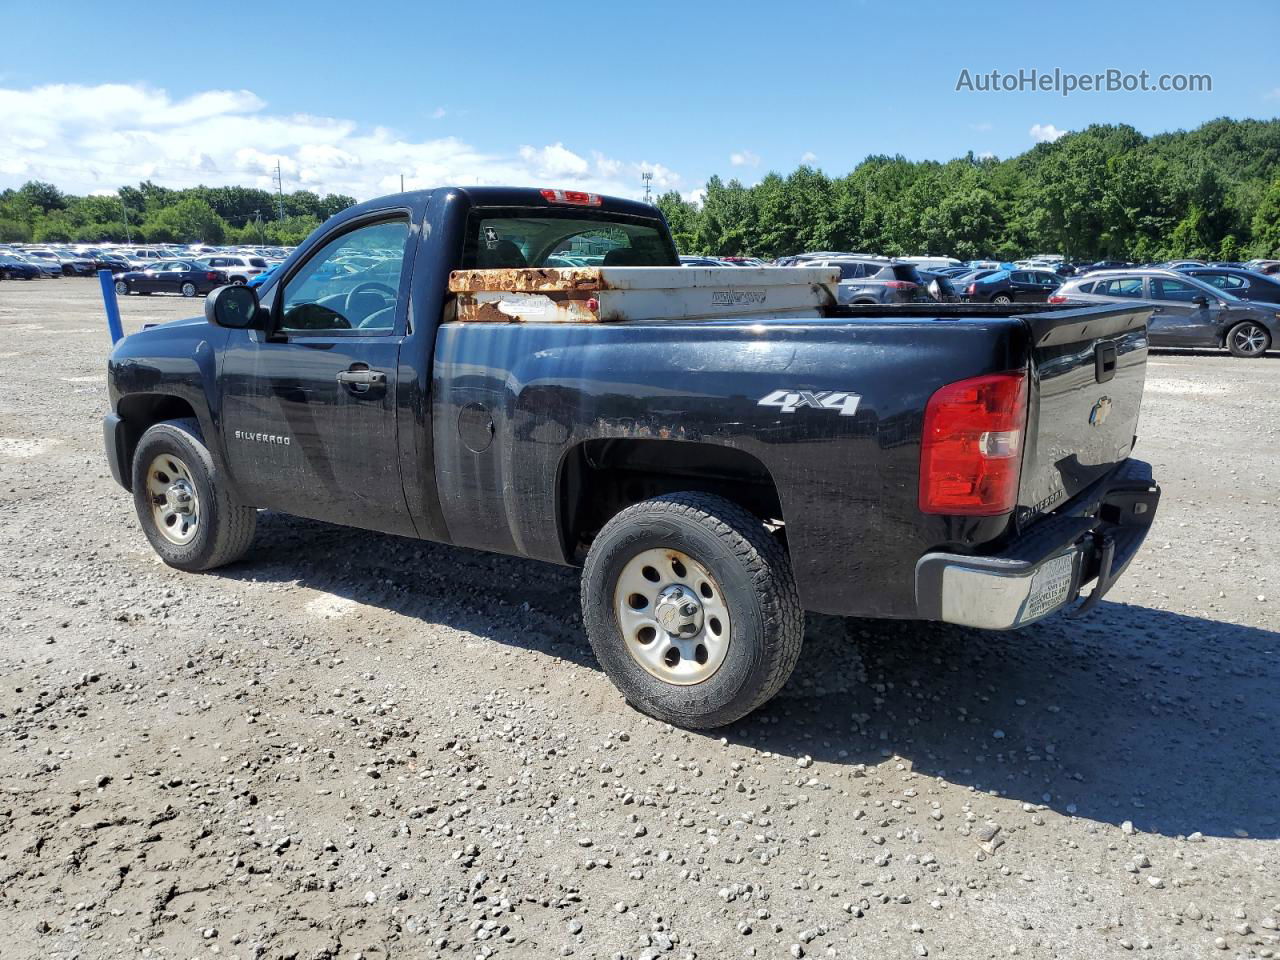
{"points": [[128, 237], [647, 177], [402, 183], [279, 178], [257, 219]]}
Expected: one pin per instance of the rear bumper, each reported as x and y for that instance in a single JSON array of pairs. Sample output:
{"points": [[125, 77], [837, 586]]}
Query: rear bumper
{"points": [[1093, 538]]}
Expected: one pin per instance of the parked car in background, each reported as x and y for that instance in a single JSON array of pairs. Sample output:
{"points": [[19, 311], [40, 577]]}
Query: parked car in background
{"points": [[187, 277], [1103, 265], [1245, 284], [1186, 311], [1013, 286], [264, 276], [47, 268], [740, 262], [938, 285], [700, 262], [68, 263], [1265, 267], [875, 280], [239, 269], [11, 268], [931, 263]]}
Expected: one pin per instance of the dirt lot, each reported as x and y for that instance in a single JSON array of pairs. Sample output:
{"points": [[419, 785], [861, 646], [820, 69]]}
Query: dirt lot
{"points": [[353, 745]]}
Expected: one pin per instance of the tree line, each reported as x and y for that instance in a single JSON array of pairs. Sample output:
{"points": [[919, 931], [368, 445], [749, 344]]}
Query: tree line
{"points": [[1104, 192], [39, 212]]}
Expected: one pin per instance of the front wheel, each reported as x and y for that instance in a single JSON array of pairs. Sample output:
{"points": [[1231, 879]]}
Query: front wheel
{"points": [[190, 519], [692, 609], [188, 289], [1248, 340]]}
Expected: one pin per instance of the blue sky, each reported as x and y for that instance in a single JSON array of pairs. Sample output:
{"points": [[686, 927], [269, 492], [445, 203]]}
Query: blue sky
{"points": [[349, 96]]}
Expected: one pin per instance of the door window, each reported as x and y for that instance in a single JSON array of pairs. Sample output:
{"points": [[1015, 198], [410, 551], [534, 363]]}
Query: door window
{"points": [[1120, 287], [351, 283], [1163, 288]]}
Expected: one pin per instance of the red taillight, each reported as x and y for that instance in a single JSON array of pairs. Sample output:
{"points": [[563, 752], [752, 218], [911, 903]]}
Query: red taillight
{"points": [[211, 275], [575, 197], [971, 290], [971, 446], [1057, 298], [900, 285]]}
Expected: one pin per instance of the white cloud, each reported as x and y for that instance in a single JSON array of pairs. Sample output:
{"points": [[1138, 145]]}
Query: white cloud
{"points": [[744, 158], [982, 127], [439, 113], [809, 158], [986, 155], [695, 196], [96, 138], [1045, 132]]}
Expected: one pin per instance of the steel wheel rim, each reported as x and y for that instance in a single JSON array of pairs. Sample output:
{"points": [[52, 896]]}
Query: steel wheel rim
{"points": [[1250, 338], [651, 600], [175, 505]]}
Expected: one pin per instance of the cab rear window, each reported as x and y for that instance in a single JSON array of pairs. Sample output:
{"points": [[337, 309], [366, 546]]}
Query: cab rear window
{"points": [[515, 239]]}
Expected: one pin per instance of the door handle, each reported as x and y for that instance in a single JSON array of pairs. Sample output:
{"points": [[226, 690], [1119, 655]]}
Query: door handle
{"points": [[362, 380]]}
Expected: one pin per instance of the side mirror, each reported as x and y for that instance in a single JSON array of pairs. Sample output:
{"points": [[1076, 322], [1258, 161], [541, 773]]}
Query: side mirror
{"points": [[235, 307], [1200, 301]]}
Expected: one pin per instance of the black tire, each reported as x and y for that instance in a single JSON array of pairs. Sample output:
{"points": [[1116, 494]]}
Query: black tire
{"points": [[1248, 340], [188, 289], [1002, 299], [225, 529], [122, 288], [758, 588]]}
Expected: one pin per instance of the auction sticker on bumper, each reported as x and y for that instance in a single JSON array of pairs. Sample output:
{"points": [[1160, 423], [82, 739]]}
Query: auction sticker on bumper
{"points": [[1050, 587]]}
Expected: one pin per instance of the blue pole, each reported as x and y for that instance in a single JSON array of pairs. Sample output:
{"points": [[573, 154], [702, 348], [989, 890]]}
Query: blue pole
{"points": [[113, 308]]}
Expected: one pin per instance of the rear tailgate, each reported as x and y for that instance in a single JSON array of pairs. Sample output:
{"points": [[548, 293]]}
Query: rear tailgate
{"points": [[1088, 371]]}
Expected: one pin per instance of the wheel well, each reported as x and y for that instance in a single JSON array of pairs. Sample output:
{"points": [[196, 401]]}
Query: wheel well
{"points": [[142, 410], [599, 478]]}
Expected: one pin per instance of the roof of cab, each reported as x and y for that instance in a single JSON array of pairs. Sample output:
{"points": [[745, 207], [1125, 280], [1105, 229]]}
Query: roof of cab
{"points": [[503, 197]]}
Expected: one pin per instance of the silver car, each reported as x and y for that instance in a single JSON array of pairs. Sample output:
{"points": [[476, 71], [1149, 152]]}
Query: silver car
{"points": [[1185, 312], [874, 279]]}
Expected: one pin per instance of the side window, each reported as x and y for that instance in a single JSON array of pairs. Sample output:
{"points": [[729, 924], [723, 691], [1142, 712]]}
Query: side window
{"points": [[1163, 288], [351, 283], [850, 271], [1120, 287], [1020, 277]]}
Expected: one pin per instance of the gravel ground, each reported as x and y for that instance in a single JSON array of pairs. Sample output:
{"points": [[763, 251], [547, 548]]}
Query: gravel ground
{"points": [[353, 745]]}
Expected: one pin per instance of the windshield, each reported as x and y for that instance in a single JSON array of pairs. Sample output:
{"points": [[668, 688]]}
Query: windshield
{"points": [[512, 239]]}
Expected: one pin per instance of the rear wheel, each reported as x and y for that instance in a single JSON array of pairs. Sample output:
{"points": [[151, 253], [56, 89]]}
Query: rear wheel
{"points": [[190, 519], [1248, 340], [1002, 299], [122, 288], [188, 289], [691, 608]]}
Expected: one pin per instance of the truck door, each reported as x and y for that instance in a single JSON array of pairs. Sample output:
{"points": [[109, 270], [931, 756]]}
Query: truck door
{"points": [[309, 406]]}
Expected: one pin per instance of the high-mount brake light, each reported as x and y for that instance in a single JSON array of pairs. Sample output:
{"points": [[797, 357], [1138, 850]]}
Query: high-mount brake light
{"points": [[573, 197], [971, 446]]}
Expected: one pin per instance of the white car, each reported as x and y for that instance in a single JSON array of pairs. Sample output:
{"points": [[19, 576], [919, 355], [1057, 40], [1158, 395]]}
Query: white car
{"points": [[240, 269]]}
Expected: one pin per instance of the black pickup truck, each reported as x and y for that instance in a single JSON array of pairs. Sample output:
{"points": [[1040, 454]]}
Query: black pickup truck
{"points": [[528, 372]]}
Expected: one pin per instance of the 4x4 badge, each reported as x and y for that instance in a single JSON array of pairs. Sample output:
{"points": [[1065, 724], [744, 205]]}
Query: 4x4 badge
{"points": [[789, 401]]}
